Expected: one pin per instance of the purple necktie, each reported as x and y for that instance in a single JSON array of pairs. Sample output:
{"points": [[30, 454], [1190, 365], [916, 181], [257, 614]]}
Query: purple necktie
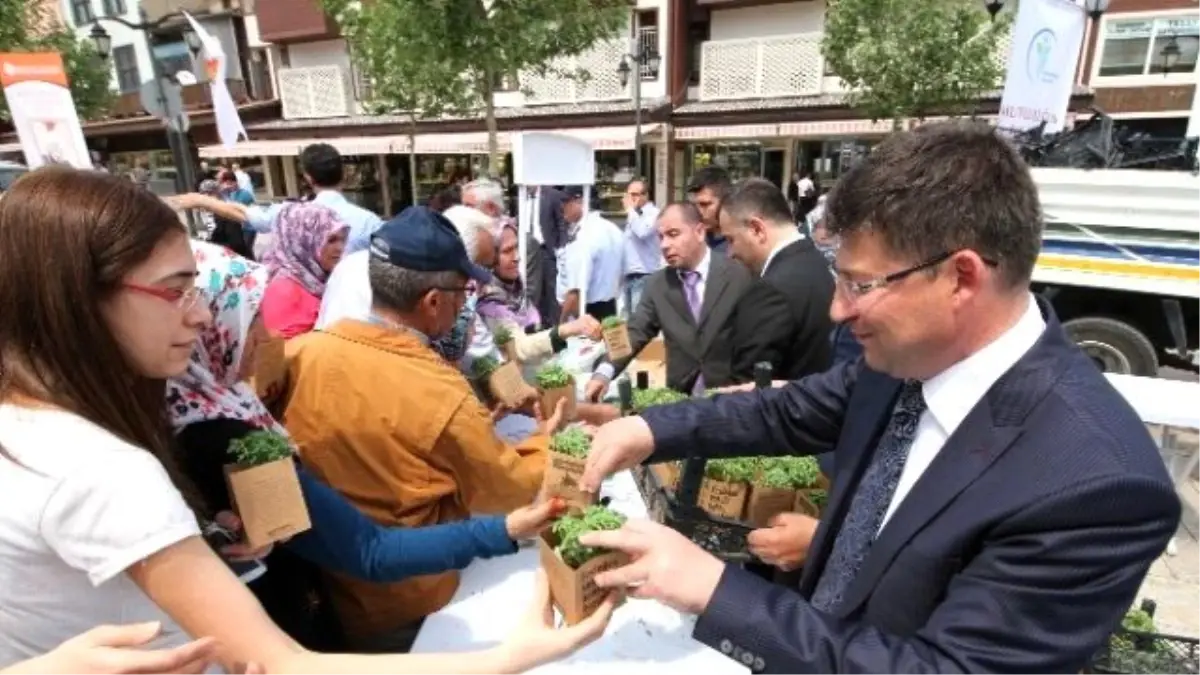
{"points": [[691, 290]]}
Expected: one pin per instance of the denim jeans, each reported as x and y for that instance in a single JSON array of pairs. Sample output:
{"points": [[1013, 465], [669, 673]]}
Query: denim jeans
{"points": [[632, 295]]}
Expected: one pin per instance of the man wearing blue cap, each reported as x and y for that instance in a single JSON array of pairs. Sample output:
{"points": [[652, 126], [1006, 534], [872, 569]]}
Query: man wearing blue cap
{"points": [[380, 416]]}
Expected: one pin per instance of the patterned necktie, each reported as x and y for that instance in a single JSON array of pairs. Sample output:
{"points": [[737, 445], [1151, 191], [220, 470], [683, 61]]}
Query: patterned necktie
{"points": [[871, 501], [691, 290]]}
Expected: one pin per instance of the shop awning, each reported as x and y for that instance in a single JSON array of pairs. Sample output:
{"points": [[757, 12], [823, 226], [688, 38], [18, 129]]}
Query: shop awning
{"points": [[835, 128], [726, 132], [475, 142]]}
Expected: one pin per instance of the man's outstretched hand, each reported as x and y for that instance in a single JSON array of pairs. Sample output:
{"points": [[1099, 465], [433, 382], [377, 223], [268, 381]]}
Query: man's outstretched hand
{"points": [[616, 446]]}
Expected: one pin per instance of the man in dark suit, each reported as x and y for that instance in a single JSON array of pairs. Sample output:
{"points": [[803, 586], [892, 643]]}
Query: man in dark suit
{"points": [[541, 266], [784, 318], [995, 504], [690, 302], [706, 189]]}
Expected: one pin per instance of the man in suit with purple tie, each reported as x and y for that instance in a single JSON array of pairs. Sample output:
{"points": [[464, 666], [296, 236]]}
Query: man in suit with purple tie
{"points": [[995, 503]]}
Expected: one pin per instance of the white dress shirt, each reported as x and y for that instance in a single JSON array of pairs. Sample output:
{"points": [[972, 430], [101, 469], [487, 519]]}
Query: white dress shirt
{"points": [[791, 237], [953, 393], [594, 262], [643, 255]]}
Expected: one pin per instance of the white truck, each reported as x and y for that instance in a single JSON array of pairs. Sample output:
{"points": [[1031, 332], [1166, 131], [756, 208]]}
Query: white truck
{"points": [[1120, 263]]}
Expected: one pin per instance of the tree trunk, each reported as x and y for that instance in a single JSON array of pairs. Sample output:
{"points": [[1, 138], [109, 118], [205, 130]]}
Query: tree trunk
{"points": [[489, 116], [897, 124]]}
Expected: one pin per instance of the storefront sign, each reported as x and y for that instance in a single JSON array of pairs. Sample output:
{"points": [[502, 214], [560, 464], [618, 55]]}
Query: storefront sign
{"points": [[43, 112], [1041, 68]]}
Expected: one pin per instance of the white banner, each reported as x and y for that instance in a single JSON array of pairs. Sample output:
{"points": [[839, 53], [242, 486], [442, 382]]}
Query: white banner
{"points": [[229, 122], [1041, 68], [43, 112]]}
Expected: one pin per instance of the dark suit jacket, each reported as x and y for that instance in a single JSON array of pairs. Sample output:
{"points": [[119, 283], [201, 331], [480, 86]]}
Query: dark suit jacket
{"points": [[1018, 550], [784, 318], [691, 348]]}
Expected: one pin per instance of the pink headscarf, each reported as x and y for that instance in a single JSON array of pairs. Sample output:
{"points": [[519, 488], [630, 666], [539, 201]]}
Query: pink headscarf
{"points": [[301, 231]]}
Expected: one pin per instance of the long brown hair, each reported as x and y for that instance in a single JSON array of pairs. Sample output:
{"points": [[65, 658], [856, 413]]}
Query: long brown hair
{"points": [[67, 239]]}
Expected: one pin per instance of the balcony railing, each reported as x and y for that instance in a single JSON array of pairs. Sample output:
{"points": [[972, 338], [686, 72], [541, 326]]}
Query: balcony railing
{"points": [[780, 65], [197, 95], [603, 83], [315, 92], [159, 8]]}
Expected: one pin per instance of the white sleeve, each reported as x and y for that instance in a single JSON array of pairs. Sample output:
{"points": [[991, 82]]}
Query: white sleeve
{"points": [[110, 514]]}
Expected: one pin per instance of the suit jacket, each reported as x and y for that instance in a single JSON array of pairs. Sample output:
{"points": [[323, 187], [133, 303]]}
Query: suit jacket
{"points": [[784, 317], [691, 347], [1018, 550]]}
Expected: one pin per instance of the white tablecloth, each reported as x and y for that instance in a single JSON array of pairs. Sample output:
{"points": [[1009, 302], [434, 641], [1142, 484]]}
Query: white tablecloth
{"points": [[644, 636]]}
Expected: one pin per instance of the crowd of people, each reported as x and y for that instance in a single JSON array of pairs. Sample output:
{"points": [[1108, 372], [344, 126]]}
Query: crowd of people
{"points": [[994, 505]]}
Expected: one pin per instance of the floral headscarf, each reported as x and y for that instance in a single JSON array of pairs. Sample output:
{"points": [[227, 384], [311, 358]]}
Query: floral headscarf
{"points": [[506, 300], [301, 231], [209, 389]]}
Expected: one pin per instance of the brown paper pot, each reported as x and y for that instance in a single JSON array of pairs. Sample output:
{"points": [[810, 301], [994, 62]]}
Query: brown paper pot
{"points": [[765, 503], [726, 500], [268, 500], [508, 387], [804, 505], [822, 483], [667, 474], [509, 350], [573, 591], [616, 341], [551, 397], [561, 479]]}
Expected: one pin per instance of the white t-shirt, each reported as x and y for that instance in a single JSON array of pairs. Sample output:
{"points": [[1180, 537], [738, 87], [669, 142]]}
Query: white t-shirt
{"points": [[79, 507]]}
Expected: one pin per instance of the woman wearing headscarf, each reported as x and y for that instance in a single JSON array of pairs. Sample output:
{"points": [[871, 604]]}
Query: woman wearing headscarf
{"points": [[505, 304], [309, 241], [213, 403]]}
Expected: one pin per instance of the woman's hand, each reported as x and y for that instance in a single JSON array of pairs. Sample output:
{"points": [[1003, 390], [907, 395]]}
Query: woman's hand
{"points": [[554, 423], [528, 522], [585, 326], [536, 641], [117, 649], [238, 552]]}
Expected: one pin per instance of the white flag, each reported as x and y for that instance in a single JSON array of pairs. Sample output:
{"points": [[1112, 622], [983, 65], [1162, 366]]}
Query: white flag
{"points": [[229, 123], [1041, 68]]}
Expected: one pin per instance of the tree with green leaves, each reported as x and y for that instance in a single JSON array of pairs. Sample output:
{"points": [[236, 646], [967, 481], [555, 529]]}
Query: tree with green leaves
{"points": [[27, 26], [911, 58], [468, 46]]}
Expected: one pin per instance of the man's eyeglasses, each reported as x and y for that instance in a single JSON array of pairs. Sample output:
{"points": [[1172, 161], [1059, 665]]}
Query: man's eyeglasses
{"points": [[857, 289], [183, 298]]}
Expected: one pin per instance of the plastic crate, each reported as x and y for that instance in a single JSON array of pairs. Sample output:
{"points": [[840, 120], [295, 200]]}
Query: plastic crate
{"points": [[724, 538]]}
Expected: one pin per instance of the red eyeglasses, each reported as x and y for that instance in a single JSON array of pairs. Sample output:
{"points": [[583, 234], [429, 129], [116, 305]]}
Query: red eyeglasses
{"points": [[184, 299]]}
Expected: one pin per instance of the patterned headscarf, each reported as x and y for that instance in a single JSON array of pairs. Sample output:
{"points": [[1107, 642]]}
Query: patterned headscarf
{"points": [[507, 301], [301, 231], [209, 389]]}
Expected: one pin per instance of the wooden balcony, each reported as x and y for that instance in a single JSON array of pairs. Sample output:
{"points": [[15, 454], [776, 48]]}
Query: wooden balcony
{"points": [[194, 96], [289, 21], [159, 8]]}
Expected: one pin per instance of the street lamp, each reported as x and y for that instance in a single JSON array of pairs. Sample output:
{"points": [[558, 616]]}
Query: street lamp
{"points": [[993, 7], [176, 139], [645, 55], [1095, 8], [1170, 55]]}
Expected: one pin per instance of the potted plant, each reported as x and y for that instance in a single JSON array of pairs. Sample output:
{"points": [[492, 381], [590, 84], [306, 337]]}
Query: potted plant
{"points": [[264, 488], [556, 384], [571, 566], [568, 455], [503, 337], [725, 486], [645, 398], [807, 477], [616, 338], [772, 490], [503, 381]]}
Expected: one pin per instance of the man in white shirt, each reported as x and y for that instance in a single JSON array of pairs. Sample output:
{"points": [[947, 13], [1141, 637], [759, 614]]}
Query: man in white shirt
{"points": [[643, 256], [589, 274]]}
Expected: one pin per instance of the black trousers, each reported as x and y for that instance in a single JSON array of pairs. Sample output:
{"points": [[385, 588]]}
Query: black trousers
{"points": [[601, 310]]}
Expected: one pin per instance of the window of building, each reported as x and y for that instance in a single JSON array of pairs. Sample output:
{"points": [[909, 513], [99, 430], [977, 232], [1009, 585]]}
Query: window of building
{"points": [[174, 57], [647, 39], [114, 7], [1138, 46], [125, 60], [81, 12], [698, 33]]}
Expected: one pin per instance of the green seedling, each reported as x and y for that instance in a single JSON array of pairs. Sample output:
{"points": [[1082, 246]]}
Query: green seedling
{"points": [[260, 447], [568, 529], [483, 367], [736, 470], [502, 336], [572, 442], [552, 376], [612, 322], [644, 398], [818, 498]]}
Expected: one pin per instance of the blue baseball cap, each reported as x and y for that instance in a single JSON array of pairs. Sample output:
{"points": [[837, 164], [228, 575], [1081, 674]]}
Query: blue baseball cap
{"points": [[424, 240]]}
